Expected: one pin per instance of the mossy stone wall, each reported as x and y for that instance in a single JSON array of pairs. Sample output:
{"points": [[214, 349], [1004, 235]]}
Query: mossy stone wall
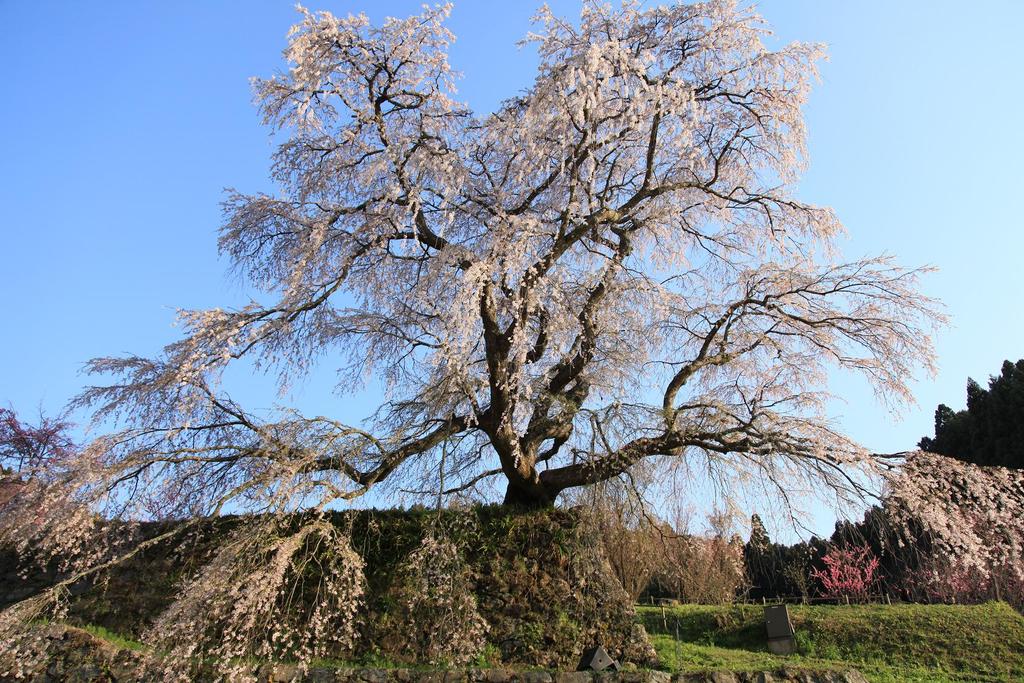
{"points": [[540, 579]]}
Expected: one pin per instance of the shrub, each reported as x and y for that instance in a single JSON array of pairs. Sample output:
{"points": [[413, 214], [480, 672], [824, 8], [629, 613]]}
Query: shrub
{"points": [[849, 572], [702, 570]]}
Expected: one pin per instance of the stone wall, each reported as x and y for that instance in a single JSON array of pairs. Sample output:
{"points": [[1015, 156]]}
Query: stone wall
{"points": [[540, 579]]}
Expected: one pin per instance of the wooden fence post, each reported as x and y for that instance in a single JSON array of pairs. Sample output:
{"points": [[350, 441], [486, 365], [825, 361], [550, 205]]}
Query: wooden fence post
{"points": [[676, 641]]}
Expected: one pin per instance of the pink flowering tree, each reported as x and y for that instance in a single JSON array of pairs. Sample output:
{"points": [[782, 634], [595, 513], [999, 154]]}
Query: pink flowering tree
{"points": [[25, 447], [610, 272], [972, 517], [849, 572]]}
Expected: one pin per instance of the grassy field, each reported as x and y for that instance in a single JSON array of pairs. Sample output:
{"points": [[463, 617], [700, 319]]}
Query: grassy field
{"points": [[888, 644]]}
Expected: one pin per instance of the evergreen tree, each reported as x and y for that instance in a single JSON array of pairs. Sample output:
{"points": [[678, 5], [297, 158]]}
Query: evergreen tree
{"points": [[759, 539], [991, 430]]}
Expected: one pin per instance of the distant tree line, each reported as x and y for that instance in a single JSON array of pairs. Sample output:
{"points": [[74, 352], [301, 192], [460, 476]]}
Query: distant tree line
{"points": [[904, 566], [991, 430], [873, 559], [776, 570]]}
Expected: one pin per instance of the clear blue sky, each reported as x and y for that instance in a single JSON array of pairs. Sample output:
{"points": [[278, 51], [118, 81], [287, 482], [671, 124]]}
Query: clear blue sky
{"points": [[121, 123]]}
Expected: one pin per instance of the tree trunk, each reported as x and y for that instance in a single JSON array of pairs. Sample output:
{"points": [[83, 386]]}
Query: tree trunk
{"points": [[528, 495]]}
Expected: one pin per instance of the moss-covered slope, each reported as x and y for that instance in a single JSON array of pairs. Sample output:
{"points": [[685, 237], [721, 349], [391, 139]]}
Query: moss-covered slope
{"points": [[540, 581]]}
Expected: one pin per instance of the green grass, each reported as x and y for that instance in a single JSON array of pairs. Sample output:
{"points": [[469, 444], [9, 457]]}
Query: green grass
{"points": [[113, 638], [887, 643]]}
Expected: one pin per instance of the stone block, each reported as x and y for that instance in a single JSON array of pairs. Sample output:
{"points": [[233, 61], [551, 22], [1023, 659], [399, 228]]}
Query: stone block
{"points": [[497, 675], [573, 677], [535, 677]]}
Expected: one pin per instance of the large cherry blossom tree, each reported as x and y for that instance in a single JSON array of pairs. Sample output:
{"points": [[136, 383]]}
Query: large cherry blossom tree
{"points": [[611, 268], [611, 271]]}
